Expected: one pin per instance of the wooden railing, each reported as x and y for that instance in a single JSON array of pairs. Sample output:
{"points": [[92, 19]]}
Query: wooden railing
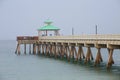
{"points": [[93, 37], [27, 38]]}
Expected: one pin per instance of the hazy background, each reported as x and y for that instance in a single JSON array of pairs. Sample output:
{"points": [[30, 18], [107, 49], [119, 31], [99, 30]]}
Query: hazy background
{"points": [[24, 17]]}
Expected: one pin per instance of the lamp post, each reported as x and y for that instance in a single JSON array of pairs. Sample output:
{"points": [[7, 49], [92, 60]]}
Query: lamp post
{"points": [[72, 31], [96, 34], [96, 29]]}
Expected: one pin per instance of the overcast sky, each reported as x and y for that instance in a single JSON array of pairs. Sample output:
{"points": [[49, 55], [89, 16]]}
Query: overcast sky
{"points": [[24, 17]]}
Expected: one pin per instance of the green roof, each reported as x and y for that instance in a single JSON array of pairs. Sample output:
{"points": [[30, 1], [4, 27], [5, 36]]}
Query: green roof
{"points": [[48, 27]]}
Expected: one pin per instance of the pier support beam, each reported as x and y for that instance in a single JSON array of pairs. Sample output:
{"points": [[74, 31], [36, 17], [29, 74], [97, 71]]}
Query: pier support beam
{"points": [[80, 54], [24, 48], [43, 48], [69, 53], [55, 51], [89, 55], [18, 49], [72, 53], [59, 51], [34, 48], [75, 53], [62, 51], [110, 58], [29, 48], [66, 51], [51, 52], [98, 57], [39, 47], [47, 49]]}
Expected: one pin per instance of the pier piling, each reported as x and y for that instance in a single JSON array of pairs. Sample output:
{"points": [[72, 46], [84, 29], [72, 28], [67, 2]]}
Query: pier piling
{"points": [[24, 48], [29, 48], [98, 57]]}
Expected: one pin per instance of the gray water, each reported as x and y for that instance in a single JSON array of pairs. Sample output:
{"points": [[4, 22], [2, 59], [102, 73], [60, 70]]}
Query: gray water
{"points": [[35, 67]]}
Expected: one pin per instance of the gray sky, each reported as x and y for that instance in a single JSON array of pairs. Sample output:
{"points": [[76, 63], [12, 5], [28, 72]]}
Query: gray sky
{"points": [[24, 17]]}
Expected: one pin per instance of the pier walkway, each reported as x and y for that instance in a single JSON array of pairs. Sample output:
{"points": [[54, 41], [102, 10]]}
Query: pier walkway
{"points": [[71, 47]]}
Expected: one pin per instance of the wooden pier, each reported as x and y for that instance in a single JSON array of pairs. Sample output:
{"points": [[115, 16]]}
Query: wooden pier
{"points": [[71, 47], [26, 40]]}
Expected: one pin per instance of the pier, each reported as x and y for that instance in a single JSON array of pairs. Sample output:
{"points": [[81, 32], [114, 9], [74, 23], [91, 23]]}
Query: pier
{"points": [[69, 47]]}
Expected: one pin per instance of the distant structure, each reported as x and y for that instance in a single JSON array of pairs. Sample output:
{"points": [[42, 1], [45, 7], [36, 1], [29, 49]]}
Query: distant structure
{"points": [[43, 31]]}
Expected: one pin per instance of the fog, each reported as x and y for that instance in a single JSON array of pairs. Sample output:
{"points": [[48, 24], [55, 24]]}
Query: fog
{"points": [[24, 17]]}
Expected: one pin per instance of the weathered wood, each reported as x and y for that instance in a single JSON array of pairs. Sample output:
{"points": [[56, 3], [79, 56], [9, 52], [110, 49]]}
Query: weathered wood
{"points": [[38, 48], [53, 47], [16, 49], [24, 48], [110, 58], [47, 50], [34, 48], [69, 52], [43, 48], [19, 49], [66, 52], [75, 53], [80, 54], [72, 53], [51, 53], [29, 48], [89, 55], [98, 57], [55, 51], [62, 51]]}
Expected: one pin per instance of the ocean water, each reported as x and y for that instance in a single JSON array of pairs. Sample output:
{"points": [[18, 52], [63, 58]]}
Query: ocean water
{"points": [[35, 67]]}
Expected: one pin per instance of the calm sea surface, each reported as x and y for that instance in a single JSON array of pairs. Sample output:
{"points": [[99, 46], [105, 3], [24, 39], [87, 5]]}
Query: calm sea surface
{"points": [[34, 67]]}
